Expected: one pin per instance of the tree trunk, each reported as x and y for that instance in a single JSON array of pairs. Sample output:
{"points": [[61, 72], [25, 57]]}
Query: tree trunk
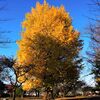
{"points": [[48, 95], [51, 94], [37, 93], [22, 94], [14, 94]]}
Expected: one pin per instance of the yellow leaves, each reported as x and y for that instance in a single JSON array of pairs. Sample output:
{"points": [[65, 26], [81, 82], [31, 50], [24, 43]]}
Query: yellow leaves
{"points": [[41, 8], [21, 79], [38, 7], [47, 20], [28, 16], [98, 79], [27, 85], [31, 83], [47, 35], [39, 70]]}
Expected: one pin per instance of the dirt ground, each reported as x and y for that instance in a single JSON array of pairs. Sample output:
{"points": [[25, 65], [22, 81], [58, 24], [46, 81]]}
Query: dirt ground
{"points": [[65, 98], [80, 98], [27, 98]]}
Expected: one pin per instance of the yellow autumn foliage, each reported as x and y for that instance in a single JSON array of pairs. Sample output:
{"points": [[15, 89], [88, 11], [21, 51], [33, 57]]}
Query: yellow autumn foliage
{"points": [[45, 20], [31, 83], [47, 34], [97, 79]]}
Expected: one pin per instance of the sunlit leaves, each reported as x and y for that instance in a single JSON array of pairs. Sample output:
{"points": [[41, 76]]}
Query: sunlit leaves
{"points": [[47, 37], [31, 83]]}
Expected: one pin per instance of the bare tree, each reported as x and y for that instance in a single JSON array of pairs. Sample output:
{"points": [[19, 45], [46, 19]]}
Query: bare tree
{"points": [[10, 74], [94, 32]]}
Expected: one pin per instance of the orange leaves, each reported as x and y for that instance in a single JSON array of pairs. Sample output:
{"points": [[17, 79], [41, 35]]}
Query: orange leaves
{"points": [[98, 79], [47, 36], [31, 83], [21, 79]]}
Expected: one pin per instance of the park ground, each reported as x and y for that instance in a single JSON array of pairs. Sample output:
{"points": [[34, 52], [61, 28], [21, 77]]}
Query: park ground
{"points": [[64, 98]]}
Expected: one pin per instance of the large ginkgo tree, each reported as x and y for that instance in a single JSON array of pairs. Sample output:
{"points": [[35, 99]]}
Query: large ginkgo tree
{"points": [[48, 48]]}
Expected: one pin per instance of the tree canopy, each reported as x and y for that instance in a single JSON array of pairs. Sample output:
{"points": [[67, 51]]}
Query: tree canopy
{"points": [[49, 48]]}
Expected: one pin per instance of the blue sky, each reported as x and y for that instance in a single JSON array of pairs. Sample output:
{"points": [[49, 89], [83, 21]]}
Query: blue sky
{"points": [[15, 11]]}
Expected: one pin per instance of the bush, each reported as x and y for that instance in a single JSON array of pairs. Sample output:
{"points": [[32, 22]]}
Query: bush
{"points": [[5, 95]]}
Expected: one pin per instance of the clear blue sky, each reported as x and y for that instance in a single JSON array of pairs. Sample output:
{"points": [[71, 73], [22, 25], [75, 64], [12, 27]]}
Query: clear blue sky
{"points": [[15, 10]]}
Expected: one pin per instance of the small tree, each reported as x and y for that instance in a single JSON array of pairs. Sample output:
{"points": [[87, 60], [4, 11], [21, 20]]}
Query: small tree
{"points": [[10, 74]]}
